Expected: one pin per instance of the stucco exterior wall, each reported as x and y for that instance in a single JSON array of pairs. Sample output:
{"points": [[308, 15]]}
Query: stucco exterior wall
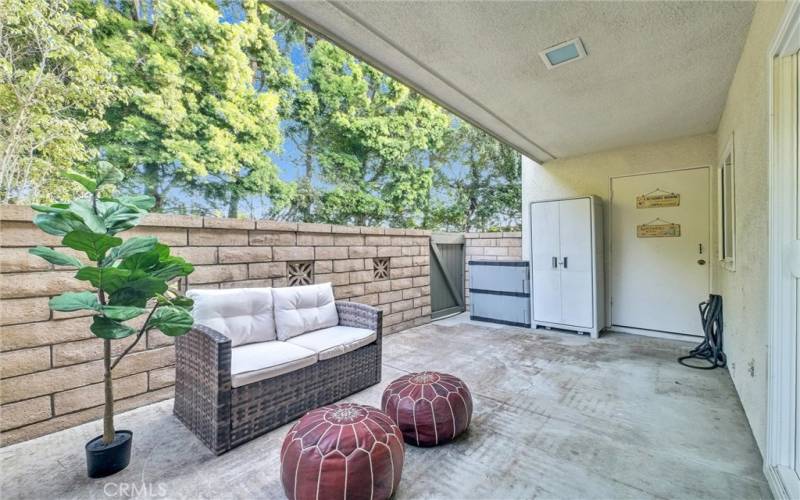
{"points": [[591, 175], [745, 120]]}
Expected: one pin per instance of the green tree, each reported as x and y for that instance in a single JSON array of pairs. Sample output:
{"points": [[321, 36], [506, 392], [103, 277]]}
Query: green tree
{"points": [[55, 86], [480, 187], [205, 97], [301, 126], [374, 140]]}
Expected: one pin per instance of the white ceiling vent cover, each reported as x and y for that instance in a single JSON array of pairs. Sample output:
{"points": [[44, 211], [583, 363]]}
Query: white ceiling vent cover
{"points": [[563, 53]]}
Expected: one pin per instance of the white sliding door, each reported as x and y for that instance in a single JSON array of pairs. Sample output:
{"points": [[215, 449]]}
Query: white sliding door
{"points": [[782, 466]]}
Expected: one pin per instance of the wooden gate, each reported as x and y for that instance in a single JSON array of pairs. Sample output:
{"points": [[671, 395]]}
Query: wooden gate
{"points": [[447, 274]]}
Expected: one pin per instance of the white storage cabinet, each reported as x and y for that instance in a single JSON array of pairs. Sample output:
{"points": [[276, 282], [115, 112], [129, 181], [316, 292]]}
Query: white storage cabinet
{"points": [[567, 265]]}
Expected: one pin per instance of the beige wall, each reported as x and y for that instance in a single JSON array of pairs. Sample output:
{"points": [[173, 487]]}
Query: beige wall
{"points": [[745, 291], [50, 368], [591, 175]]}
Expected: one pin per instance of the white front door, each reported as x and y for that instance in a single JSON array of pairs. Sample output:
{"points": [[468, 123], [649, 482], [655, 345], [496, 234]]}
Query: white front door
{"points": [[657, 282]]}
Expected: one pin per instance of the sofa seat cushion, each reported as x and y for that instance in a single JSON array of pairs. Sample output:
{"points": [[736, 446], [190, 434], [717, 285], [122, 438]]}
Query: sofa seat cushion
{"points": [[301, 309], [244, 315], [334, 341], [254, 362]]}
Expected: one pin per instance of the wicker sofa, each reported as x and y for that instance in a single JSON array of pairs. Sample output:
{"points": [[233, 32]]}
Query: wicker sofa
{"points": [[259, 358]]}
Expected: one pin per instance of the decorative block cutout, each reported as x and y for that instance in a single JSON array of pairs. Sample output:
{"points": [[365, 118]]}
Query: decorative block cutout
{"points": [[300, 273], [380, 267]]}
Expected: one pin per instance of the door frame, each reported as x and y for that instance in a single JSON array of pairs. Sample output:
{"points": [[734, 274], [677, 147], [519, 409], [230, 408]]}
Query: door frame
{"points": [[610, 261], [782, 418]]}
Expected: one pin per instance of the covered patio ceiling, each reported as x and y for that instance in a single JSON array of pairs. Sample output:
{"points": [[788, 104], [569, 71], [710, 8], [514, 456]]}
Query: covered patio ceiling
{"points": [[654, 71]]}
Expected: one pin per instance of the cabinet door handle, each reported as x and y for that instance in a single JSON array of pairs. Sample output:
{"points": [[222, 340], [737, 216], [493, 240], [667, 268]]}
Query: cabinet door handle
{"points": [[565, 263], [555, 262]]}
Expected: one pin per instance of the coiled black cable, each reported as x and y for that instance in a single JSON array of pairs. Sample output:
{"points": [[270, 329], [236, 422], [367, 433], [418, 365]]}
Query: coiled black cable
{"points": [[710, 350]]}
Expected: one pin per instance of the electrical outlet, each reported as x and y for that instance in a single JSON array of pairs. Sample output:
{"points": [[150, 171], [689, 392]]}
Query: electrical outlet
{"points": [[751, 367]]}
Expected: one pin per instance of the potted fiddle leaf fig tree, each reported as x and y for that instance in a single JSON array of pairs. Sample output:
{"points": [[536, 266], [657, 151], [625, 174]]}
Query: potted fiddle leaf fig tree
{"points": [[130, 281]]}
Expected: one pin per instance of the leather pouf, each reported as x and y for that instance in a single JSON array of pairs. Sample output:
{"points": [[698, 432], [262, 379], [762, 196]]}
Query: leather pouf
{"points": [[342, 451], [430, 408]]}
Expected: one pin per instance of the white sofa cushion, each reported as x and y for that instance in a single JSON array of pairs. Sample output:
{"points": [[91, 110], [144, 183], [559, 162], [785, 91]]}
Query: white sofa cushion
{"points": [[254, 362], [301, 309], [244, 315], [334, 341]]}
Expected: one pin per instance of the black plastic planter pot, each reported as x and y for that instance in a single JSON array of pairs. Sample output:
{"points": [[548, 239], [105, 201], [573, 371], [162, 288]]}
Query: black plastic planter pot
{"points": [[103, 460]]}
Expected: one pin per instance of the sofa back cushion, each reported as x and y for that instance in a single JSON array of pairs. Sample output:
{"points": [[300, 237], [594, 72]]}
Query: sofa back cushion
{"points": [[244, 315], [301, 309]]}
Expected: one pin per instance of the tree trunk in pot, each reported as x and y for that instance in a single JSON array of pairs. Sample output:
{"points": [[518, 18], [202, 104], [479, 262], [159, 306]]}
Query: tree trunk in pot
{"points": [[108, 414]]}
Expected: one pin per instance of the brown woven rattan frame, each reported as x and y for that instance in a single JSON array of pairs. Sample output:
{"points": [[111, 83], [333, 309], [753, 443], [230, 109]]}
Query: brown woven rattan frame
{"points": [[223, 417]]}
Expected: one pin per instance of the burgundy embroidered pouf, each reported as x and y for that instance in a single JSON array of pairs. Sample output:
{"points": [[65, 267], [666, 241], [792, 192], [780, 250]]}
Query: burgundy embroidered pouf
{"points": [[342, 451], [430, 408]]}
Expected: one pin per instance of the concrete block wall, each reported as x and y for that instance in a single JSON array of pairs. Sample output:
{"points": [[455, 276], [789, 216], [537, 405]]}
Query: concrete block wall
{"points": [[490, 246], [50, 363]]}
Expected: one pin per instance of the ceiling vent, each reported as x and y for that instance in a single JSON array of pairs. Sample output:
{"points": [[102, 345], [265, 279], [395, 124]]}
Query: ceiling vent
{"points": [[563, 53]]}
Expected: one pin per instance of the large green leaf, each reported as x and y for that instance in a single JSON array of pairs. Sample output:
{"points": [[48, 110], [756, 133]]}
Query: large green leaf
{"points": [[183, 301], [108, 279], [180, 300], [171, 320], [86, 182], [94, 245], [133, 246], [55, 208], [106, 328], [122, 313], [118, 216], [54, 257], [84, 209], [172, 267], [108, 174], [144, 261], [142, 201], [137, 292], [75, 301], [59, 224]]}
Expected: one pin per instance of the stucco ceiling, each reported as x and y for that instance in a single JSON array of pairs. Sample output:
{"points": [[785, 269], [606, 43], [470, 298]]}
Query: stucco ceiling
{"points": [[654, 71]]}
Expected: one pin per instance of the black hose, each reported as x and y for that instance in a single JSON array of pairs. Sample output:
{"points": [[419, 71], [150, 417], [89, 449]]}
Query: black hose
{"points": [[710, 350]]}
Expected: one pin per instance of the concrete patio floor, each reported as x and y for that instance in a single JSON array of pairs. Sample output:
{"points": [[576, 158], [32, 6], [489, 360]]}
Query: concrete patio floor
{"points": [[556, 416]]}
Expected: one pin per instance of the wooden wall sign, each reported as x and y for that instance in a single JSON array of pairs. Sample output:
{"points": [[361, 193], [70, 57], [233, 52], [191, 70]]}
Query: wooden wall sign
{"points": [[658, 199], [664, 230]]}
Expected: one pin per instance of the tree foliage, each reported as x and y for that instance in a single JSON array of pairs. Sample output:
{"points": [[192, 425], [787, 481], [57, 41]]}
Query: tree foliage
{"points": [[55, 86], [374, 134], [199, 99], [480, 187], [203, 96]]}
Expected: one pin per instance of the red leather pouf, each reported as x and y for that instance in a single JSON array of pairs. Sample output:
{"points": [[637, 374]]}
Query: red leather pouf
{"points": [[430, 408], [342, 451]]}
